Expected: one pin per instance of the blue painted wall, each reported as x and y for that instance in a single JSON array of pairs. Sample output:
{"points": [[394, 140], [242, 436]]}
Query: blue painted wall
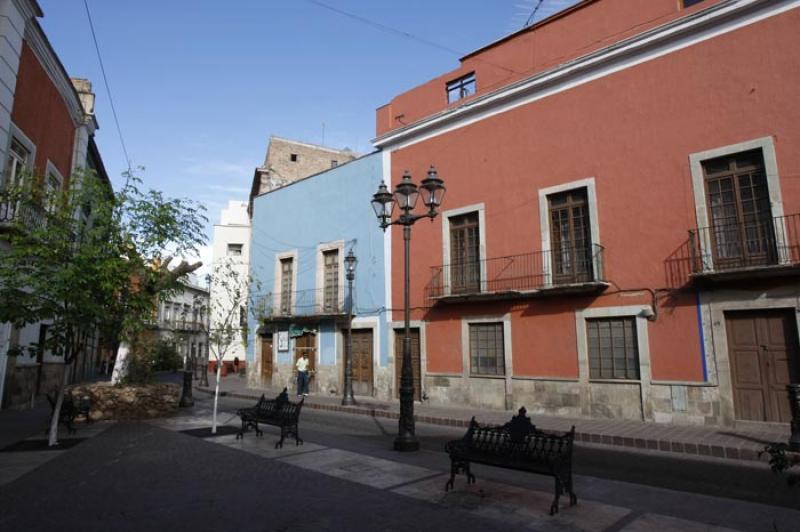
{"points": [[330, 206]]}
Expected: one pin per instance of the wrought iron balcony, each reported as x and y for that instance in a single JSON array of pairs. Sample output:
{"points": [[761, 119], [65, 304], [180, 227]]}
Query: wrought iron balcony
{"points": [[328, 302], [759, 246], [17, 210], [565, 270]]}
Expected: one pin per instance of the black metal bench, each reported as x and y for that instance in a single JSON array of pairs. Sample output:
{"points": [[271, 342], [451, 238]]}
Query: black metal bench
{"points": [[516, 445], [278, 412]]}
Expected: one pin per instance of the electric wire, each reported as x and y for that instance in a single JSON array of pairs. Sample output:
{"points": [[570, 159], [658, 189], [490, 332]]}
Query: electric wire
{"points": [[533, 13], [108, 87]]}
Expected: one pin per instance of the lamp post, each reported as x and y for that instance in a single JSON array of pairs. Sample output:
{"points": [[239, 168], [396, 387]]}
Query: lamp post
{"points": [[405, 196], [350, 262]]}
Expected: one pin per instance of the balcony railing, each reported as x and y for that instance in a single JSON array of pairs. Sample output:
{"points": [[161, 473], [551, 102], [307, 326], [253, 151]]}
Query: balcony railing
{"points": [[18, 210], [178, 325], [329, 301], [529, 273], [758, 243]]}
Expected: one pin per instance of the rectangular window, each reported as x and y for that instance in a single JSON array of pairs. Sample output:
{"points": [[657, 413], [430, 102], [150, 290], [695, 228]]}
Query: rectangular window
{"points": [[235, 250], [486, 353], [286, 285], [331, 295], [690, 3], [334, 163], [461, 88], [293, 157], [613, 348], [18, 161], [742, 232], [465, 267], [52, 186], [570, 237]]}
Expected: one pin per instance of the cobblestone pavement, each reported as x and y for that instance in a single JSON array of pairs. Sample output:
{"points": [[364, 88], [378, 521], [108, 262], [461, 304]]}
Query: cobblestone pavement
{"points": [[139, 476]]}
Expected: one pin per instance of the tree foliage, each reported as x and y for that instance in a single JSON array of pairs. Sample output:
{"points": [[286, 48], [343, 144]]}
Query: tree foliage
{"points": [[84, 257]]}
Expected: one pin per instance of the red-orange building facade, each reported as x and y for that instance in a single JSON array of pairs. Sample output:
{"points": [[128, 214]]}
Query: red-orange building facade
{"points": [[620, 235], [47, 125]]}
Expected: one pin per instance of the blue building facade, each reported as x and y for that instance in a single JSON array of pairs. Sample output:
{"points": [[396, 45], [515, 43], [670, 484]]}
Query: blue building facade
{"points": [[301, 234]]}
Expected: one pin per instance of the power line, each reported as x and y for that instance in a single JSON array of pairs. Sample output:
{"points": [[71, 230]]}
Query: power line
{"points": [[108, 87], [394, 31], [533, 14]]}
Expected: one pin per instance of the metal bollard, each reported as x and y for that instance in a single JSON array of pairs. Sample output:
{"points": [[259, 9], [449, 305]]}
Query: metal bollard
{"points": [[794, 404], [186, 395]]}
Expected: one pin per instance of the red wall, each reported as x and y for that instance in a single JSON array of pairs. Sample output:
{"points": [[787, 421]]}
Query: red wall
{"points": [[633, 132], [587, 27], [41, 113]]}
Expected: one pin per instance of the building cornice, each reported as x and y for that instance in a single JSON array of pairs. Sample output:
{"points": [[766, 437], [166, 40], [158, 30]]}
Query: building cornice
{"points": [[38, 42], [673, 36], [28, 8]]}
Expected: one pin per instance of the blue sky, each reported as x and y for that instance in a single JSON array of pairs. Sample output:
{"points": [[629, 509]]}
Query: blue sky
{"points": [[199, 85]]}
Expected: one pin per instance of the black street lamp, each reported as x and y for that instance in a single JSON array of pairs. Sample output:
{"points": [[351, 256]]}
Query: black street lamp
{"points": [[350, 262], [405, 196]]}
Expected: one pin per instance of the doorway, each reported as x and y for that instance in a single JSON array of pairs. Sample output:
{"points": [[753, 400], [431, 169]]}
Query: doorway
{"points": [[415, 361], [764, 358], [307, 343], [266, 359], [362, 361]]}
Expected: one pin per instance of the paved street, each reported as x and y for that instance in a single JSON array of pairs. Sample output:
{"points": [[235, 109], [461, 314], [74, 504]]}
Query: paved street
{"points": [[148, 475]]}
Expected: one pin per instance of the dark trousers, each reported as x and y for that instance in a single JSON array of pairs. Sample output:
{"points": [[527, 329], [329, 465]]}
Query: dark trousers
{"points": [[302, 382]]}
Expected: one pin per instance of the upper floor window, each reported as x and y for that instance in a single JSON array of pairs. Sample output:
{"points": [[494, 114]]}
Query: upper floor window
{"points": [[461, 88], [742, 231], [52, 185], [690, 3], [18, 160], [465, 267], [331, 289], [287, 267], [334, 163], [570, 237], [293, 157], [235, 250]]}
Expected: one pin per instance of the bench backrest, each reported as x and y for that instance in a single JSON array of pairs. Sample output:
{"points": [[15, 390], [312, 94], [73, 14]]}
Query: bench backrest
{"points": [[518, 438]]}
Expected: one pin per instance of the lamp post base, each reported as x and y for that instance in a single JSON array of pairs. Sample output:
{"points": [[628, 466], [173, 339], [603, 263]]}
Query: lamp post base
{"points": [[406, 444], [348, 401]]}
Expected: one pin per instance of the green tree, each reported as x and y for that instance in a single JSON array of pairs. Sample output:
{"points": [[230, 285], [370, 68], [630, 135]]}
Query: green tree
{"points": [[230, 289], [93, 259]]}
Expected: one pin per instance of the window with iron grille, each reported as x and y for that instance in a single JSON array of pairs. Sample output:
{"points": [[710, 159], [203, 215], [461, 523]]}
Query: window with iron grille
{"points": [[461, 88], [331, 295], [570, 237], [742, 231], [465, 268], [613, 348], [286, 285], [486, 351]]}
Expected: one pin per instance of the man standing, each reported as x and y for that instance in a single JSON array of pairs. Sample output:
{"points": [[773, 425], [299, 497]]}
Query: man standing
{"points": [[302, 375]]}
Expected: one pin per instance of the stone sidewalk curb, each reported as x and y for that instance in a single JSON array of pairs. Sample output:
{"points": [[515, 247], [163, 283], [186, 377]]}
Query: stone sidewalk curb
{"points": [[676, 446]]}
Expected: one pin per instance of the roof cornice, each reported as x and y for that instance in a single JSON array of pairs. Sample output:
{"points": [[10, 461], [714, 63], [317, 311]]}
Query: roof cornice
{"points": [[651, 44]]}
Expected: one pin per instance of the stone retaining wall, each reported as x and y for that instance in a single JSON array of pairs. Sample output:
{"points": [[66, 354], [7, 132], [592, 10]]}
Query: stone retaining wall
{"points": [[128, 402]]}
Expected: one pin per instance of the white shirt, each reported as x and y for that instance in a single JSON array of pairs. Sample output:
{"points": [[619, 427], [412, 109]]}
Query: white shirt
{"points": [[302, 364]]}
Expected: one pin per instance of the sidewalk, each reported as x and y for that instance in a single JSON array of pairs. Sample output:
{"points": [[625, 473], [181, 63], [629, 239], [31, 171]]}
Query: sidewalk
{"points": [[718, 442]]}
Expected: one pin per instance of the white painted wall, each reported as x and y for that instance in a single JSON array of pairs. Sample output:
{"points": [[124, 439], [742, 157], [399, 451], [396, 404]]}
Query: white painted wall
{"points": [[234, 228]]}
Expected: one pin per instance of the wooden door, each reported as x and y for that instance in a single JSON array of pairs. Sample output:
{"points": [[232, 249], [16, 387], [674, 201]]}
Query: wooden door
{"points": [[362, 361], [415, 361], [570, 237], [465, 267], [764, 358], [331, 281], [307, 344], [266, 358]]}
